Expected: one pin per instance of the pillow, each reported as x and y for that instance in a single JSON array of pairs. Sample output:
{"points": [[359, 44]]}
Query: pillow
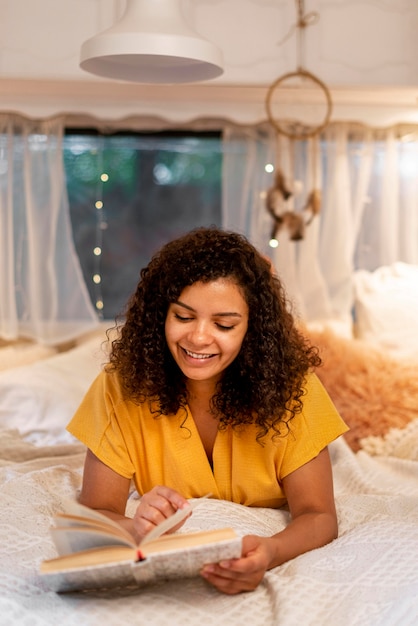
{"points": [[39, 399], [386, 308], [24, 353]]}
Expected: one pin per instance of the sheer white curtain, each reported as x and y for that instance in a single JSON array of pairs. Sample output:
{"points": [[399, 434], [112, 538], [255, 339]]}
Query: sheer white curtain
{"points": [[247, 152], [368, 218], [369, 209], [42, 291], [388, 229]]}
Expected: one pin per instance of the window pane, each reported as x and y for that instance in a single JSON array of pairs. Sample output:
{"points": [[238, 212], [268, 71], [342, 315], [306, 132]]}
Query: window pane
{"points": [[131, 193]]}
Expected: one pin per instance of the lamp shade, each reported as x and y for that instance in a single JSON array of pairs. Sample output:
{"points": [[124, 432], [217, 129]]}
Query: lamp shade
{"points": [[151, 43]]}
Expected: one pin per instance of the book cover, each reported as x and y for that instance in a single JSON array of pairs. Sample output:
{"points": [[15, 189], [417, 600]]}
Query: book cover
{"points": [[96, 553]]}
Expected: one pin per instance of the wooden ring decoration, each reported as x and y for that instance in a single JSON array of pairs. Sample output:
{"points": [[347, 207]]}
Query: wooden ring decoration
{"points": [[311, 131]]}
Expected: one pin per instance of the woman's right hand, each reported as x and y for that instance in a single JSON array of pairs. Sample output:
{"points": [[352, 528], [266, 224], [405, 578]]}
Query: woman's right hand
{"points": [[154, 507]]}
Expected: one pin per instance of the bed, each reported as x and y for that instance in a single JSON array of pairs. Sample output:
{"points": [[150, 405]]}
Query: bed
{"points": [[368, 576]]}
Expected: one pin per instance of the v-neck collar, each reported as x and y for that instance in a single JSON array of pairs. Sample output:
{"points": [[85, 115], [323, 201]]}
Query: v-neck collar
{"points": [[190, 449]]}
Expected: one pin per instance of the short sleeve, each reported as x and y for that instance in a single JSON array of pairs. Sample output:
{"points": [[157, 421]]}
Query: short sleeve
{"points": [[311, 430], [101, 427]]}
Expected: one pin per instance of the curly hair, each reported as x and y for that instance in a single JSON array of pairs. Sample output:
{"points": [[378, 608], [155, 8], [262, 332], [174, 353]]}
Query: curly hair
{"points": [[264, 384]]}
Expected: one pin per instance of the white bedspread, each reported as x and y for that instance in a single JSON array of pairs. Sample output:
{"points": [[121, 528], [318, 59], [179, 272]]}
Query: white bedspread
{"points": [[368, 576]]}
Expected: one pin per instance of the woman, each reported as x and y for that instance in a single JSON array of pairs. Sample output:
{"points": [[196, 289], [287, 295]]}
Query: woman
{"points": [[209, 388]]}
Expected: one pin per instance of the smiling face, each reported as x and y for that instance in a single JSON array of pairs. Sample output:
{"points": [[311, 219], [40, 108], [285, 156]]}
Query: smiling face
{"points": [[205, 328]]}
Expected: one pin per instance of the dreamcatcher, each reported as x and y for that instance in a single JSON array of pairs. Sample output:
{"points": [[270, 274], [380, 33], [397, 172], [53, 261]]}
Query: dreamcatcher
{"points": [[280, 198]]}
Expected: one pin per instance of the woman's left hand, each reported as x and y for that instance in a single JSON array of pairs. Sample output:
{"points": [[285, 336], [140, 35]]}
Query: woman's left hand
{"points": [[245, 573]]}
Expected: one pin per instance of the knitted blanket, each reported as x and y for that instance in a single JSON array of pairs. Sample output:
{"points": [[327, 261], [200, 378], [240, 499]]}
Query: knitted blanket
{"points": [[367, 576]]}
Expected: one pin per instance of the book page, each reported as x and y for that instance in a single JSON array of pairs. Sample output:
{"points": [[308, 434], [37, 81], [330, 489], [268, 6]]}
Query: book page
{"points": [[185, 541], [70, 539], [72, 508], [73, 521], [81, 528]]}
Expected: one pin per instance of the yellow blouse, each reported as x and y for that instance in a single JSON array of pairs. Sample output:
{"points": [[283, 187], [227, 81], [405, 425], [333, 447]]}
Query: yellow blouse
{"points": [[167, 450]]}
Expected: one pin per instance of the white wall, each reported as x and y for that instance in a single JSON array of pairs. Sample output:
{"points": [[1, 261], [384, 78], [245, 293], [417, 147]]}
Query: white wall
{"points": [[366, 51]]}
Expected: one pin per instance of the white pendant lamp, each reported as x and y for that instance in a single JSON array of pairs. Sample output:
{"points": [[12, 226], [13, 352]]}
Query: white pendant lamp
{"points": [[151, 43]]}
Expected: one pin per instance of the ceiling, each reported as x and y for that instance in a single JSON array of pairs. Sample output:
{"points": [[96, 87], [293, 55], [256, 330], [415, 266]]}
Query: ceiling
{"points": [[365, 51]]}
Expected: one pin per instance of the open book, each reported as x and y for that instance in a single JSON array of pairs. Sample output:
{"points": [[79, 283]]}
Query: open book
{"points": [[95, 552]]}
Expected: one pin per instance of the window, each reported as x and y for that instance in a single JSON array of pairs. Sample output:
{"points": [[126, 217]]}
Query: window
{"points": [[130, 193]]}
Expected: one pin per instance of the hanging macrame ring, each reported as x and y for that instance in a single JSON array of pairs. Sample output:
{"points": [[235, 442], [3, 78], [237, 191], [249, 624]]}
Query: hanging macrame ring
{"points": [[311, 131]]}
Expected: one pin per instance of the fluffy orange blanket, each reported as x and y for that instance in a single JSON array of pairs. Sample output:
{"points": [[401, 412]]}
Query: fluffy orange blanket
{"points": [[372, 391]]}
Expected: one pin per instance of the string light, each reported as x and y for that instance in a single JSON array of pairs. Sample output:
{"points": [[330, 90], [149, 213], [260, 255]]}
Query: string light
{"points": [[101, 225]]}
